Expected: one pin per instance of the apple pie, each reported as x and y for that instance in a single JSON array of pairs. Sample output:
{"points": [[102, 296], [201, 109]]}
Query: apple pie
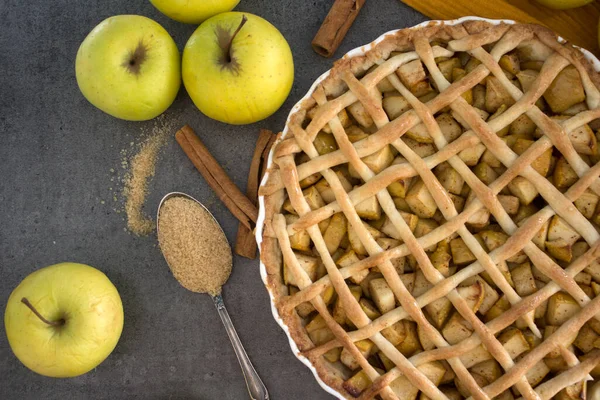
{"points": [[431, 217]]}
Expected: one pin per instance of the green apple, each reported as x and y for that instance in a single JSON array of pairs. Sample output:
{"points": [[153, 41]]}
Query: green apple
{"points": [[564, 4], [193, 11], [237, 68], [64, 320], [129, 67]]}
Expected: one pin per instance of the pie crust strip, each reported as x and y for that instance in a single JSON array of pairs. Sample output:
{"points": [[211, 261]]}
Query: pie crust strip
{"points": [[353, 310], [390, 133]]}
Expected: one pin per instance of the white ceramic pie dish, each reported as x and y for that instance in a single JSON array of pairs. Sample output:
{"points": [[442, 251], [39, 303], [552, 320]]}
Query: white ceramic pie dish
{"points": [[359, 51]]}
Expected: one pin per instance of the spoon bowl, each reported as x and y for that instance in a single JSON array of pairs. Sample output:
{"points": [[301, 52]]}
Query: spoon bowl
{"points": [[256, 388], [185, 196]]}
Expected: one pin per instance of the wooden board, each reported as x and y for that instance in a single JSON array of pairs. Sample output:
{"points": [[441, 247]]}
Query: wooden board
{"points": [[578, 25]]}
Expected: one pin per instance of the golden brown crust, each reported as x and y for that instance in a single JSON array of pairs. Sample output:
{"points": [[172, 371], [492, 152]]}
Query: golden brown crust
{"points": [[470, 34]]}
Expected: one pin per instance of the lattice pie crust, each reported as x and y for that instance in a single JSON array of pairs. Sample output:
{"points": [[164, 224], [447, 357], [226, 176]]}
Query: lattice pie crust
{"points": [[432, 218]]}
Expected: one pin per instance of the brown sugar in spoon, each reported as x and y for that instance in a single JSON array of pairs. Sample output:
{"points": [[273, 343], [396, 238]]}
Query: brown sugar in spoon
{"points": [[198, 254]]}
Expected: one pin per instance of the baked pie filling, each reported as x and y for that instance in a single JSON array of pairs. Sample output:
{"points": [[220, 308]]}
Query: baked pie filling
{"points": [[432, 218]]}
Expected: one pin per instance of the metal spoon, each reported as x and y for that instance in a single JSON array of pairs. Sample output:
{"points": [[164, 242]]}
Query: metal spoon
{"points": [[256, 388]]}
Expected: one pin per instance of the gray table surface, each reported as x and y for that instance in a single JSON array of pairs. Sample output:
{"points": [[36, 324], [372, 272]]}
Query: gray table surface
{"points": [[56, 204]]}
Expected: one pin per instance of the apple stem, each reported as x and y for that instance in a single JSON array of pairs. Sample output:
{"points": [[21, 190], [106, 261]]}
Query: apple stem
{"points": [[228, 48], [32, 308]]}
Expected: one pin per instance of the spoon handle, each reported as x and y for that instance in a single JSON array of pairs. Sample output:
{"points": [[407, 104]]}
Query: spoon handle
{"points": [[256, 388]]}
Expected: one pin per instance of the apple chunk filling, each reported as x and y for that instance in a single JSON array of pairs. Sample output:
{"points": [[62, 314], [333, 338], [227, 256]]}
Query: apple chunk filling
{"points": [[396, 206]]}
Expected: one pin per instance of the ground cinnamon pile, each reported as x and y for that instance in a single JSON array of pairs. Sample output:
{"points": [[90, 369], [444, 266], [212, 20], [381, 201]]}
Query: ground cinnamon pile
{"points": [[194, 246], [142, 168]]}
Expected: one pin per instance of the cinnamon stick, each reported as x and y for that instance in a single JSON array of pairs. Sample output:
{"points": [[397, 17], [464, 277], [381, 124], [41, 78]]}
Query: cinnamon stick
{"points": [[265, 155], [335, 26], [220, 175], [216, 177], [245, 244]]}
